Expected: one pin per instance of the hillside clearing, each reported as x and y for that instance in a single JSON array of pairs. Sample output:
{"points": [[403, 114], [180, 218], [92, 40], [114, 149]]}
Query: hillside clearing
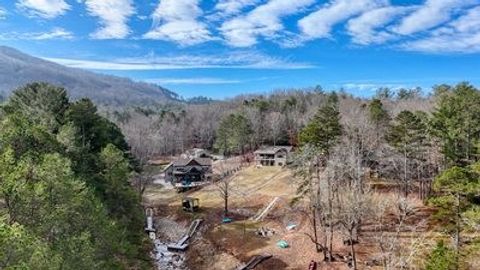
{"points": [[224, 246]]}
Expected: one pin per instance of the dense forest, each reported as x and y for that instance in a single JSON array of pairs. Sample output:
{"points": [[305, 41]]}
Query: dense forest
{"points": [[65, 197]]}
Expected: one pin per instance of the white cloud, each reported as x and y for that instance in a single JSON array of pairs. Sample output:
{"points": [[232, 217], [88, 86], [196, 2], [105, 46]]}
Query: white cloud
{"points": [[263, 21], [459, 36], [47, 9], [431, 14], [365, 29], [236, 60], [469, 22], [226, 8], [361, 86], [55, 33], [114, 15], [204, 80], [3, 13], [177, 21], [368, 88], [319, 23]]}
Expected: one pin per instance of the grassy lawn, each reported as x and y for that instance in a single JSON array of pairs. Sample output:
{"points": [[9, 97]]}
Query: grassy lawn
{"points": [[249, 185]]}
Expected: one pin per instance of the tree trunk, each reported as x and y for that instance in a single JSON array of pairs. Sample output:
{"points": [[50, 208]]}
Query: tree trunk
{"points": [[326, 253], [226, 205], [11, 214], [352, 251], [330, 221], [457, 230], [405, 172], [315, 235]]}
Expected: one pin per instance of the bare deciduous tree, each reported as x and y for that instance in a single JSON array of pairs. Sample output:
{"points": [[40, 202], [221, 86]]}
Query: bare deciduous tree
{"points": [[355, 205], [224, 191], [275, 122]]}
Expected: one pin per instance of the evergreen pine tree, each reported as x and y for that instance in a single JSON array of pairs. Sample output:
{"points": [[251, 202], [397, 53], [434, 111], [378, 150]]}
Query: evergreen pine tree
{"points": [[324, 129]]}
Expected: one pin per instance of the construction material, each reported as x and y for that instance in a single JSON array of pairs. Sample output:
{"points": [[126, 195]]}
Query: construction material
{"points": [[265, 211], [182, 244], [254, 262], [168, 259], [150, 229], [291, 227], [175, 247], [265, 232], [183, 240], [194, 226]]}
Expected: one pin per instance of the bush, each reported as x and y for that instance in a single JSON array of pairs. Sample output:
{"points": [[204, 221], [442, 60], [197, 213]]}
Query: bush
{"points": [[441, 258]]}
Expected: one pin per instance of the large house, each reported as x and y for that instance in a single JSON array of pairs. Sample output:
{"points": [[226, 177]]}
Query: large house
{"points": [[272, 155], [189, 172]]}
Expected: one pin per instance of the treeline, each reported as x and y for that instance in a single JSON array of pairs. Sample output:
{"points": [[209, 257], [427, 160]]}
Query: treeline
{"points": [[247, 121], [65, 197]]}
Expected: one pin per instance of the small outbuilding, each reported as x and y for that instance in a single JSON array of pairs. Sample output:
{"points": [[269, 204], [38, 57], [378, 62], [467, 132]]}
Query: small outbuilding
{"points": [[190, 204]]}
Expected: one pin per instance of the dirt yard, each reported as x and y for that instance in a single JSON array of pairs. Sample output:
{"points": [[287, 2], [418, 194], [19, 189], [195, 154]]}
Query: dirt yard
{"points": [[225, 246]]}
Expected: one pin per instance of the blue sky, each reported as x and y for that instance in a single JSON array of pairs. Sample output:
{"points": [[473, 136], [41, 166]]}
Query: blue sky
{"points": [[222, 48]]}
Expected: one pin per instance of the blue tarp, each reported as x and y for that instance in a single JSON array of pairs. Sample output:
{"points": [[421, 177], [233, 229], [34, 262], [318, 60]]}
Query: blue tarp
{"points": [[226, 220], [282, 244]]}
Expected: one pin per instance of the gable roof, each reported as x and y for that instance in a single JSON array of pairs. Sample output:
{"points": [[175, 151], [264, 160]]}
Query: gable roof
{"points": [[188, 161], [271, 150]]}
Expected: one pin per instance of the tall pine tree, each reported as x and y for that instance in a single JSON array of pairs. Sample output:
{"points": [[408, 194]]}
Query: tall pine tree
{"points": [[407, 134], [324, 128], [456, 123]]}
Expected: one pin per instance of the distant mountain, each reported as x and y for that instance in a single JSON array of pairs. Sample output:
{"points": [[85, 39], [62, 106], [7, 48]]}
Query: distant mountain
{"points": [[18, 69]]}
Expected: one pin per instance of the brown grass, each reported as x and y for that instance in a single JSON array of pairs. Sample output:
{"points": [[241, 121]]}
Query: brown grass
{"points": [[224, 246]]}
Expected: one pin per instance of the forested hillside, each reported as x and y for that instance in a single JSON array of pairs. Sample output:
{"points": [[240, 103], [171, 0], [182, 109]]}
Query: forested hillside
{"points": [[65, 197], [18, 69], [249, 121]]}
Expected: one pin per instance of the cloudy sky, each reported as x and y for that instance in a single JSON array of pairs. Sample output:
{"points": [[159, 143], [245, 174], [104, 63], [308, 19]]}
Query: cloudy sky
{"points": [[220, 48]]}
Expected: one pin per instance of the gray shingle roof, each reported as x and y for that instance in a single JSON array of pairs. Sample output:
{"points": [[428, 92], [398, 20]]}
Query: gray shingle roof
{"points": [[186, 161], [271, 150]]}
